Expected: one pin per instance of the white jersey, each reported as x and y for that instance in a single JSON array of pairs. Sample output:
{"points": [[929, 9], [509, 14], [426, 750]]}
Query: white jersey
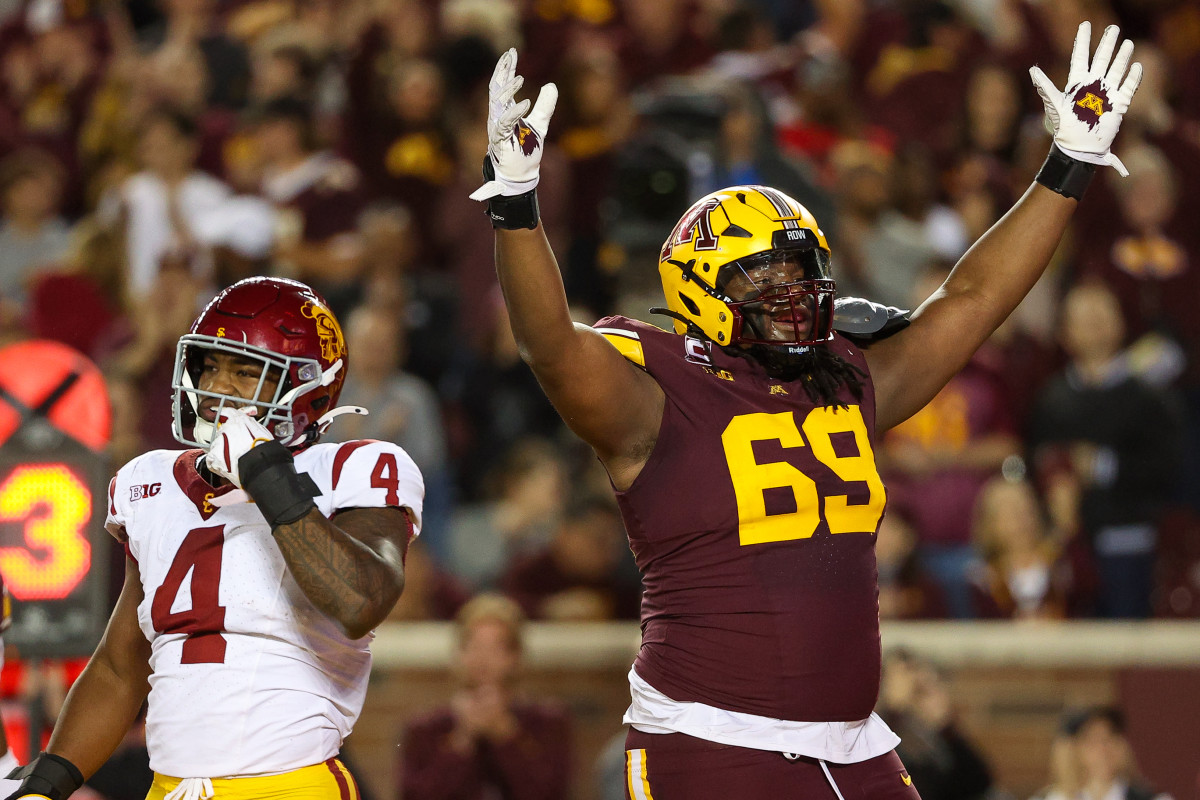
{"points": [[249, 678]]}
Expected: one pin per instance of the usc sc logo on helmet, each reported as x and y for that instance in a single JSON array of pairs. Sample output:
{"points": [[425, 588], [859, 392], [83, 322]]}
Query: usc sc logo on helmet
{"points": [[333, 346], [729, 230]]}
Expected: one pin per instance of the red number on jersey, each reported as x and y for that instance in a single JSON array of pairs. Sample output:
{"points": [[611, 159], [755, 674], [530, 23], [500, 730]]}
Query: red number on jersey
{"points": [[386, 475], [199, 554]]}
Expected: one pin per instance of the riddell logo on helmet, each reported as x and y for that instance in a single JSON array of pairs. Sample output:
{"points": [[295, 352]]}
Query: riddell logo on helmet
{"points": [[1091, 103], [333, 346]]}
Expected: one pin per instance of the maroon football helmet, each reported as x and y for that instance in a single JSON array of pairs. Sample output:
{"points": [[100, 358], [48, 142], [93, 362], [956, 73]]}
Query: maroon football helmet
{"points": [[287, 327]]}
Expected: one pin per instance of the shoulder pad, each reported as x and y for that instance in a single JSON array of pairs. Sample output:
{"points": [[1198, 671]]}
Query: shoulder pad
{"points": [[863, 321]]}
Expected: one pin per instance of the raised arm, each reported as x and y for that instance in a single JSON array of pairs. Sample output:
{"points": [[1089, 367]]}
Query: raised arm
{"points": [[999, 270], [608, 402], [100, 707], [909, 368]]}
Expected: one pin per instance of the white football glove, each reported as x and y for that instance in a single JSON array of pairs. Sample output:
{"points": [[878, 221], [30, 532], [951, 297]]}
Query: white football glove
{"points": [[514, 139], [1084, 119], [238, 432]]}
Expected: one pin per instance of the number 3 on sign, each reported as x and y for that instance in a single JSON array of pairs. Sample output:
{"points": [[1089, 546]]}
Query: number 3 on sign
{"points": [[54, 506], [751, 479]]}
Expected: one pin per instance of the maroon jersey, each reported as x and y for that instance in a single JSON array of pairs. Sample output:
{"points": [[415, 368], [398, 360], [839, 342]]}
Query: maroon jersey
{"points": [[753, 524]]}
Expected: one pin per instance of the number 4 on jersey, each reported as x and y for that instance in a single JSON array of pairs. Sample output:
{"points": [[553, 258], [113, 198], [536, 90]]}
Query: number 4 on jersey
{"points": [[200, 554]]}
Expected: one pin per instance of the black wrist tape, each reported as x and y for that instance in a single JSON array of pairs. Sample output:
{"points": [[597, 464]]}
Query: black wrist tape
{"points": [[1063, 174], [48, 775], [510, 213], [269, 476]]}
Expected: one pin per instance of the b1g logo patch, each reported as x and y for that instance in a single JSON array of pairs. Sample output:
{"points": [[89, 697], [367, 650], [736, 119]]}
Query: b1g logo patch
{"points": [[1091, 103], [144, 490]]}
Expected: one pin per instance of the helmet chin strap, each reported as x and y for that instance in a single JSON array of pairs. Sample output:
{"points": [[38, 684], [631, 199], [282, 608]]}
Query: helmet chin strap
{"points": [[329, 416], [325, 420]]}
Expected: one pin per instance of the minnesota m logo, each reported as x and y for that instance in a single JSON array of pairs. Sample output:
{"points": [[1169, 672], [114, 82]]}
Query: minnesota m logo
{"points": [[1092, 103]]}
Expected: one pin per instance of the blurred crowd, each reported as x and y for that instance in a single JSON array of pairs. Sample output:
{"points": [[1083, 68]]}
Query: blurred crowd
{"points": [[154, 151]]}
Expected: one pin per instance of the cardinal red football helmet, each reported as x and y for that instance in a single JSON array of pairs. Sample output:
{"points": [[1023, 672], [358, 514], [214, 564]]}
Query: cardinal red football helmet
{"points": [[287, 327]]}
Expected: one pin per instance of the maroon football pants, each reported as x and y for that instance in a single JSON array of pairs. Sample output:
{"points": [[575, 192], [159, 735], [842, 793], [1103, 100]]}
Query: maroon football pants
{"points": [[679, 767]]}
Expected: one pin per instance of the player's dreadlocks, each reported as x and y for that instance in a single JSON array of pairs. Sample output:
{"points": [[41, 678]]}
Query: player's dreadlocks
{"points": [[822, 373]]}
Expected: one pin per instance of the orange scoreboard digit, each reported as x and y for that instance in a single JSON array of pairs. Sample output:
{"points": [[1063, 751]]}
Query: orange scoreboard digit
{"points": [[54, 551], [53, 504]]}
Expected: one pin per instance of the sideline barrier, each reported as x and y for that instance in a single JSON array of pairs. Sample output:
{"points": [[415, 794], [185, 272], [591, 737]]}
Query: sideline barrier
{"points": [[1010, 683]]}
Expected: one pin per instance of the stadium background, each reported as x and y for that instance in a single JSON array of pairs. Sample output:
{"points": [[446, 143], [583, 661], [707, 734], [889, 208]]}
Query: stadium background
{"points": [[153, 151]]}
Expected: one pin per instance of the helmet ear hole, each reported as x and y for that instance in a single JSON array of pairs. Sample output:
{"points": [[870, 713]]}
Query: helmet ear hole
{"points": [[689, 304]]}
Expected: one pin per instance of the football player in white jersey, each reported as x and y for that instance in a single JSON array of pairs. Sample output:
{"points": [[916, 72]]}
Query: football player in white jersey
{"points": [[257, 566]]}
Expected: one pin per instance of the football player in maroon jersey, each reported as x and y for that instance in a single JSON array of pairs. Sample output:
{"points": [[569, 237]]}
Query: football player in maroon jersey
{"points": [[741, 445]]}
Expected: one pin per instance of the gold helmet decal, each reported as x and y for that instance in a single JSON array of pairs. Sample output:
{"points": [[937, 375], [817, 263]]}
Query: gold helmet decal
{"points": [[333, 346]]}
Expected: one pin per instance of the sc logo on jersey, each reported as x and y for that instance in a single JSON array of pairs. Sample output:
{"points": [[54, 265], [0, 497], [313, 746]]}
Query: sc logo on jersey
{"points": [[144, 490]]}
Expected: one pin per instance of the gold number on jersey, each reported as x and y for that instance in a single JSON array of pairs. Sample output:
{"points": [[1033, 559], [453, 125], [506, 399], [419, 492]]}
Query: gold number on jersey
{"points": [[751, 480], [819, 427], [56, 533]]}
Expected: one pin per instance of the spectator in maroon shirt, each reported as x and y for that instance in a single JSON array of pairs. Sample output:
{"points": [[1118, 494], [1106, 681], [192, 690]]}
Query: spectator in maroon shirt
{"points": [[661, 38], [489, 741], [916, 86], [579, 575], [47, 80], [319, 197], [597, 119], [1026, 573]]}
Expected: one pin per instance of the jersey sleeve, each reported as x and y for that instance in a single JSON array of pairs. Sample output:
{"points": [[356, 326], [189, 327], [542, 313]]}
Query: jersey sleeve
{"points": [[626, 336], [118, 498], [371, 474], [664, 354]]}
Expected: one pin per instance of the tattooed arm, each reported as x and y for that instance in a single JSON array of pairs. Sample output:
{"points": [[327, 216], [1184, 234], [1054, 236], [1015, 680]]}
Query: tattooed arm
{"points": [[351, 570]]}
